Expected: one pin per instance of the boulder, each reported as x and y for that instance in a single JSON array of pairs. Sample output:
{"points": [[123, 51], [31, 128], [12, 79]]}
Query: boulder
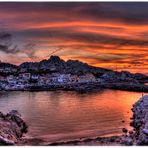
{"points": [[12, 128], [140, 120], [127, 141], [124, 130]]}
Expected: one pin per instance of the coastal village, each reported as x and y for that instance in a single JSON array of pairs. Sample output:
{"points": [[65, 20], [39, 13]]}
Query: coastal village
{"points": [[55, 74], [26, 80]]}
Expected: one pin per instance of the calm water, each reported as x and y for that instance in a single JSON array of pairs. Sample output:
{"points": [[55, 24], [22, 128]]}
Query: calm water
{"points": [[62, 115]]}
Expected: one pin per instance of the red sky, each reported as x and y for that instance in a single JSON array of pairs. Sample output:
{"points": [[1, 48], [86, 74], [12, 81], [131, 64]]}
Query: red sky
{"points": [[111, 35]]}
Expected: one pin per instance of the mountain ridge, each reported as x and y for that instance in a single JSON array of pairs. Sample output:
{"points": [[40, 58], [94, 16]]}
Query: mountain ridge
{"points": [[56, 64]]}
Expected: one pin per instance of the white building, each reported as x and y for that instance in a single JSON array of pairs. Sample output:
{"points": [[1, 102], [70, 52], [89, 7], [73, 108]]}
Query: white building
{"points": [[59, 78], [34, 76], [63, 78], [11, 79]]}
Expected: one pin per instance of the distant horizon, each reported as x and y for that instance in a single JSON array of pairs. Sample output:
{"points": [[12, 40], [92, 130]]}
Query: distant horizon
{"points": [[110, 35]]}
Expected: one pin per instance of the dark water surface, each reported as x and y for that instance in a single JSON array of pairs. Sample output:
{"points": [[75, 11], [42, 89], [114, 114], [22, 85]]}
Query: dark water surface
{"points": [[58, 115]]}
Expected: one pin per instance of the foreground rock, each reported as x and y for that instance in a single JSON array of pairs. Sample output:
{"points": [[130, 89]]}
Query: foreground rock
{"points": [[12, 128], [140, 120]]}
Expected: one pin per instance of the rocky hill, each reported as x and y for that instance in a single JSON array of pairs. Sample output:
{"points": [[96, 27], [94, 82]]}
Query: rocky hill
{"points": [[55, 64]]}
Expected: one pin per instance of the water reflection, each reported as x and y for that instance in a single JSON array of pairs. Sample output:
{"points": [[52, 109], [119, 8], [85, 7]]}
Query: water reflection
{"points": [[59, 114]]}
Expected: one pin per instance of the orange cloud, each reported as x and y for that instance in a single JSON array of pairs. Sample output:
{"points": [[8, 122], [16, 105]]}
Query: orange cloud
{"points": [[111, 37]]}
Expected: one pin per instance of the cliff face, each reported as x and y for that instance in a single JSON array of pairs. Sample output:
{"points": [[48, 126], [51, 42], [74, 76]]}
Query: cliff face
{"points": [[12, 127]]}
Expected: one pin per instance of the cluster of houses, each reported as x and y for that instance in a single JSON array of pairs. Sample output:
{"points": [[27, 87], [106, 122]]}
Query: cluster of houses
{"points": [[56, 71], [25, 80], [8, 70]]}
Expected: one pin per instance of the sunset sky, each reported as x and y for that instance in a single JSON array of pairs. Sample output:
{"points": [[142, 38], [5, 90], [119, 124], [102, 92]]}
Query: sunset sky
{"points": [[103, 34]]}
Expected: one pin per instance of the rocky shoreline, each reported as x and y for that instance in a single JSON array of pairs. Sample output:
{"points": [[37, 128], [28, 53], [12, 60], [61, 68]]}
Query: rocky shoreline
{"points": [[88, 87], [12, 128], [113, 140], [137, 136], [126, 86], [140, 121]]}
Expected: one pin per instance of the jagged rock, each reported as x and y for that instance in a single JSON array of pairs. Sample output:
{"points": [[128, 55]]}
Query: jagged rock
{"points": [[56, 64], [6, 141], [127, 141], [12, 127], [145, 131], [131, 132], [140, 120], [124, 130]]}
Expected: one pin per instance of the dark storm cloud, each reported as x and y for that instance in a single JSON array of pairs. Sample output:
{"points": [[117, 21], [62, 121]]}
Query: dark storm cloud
{"points": [[8, 47], [109, 57], [85, 37], [5, 43], [127, 12]]}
